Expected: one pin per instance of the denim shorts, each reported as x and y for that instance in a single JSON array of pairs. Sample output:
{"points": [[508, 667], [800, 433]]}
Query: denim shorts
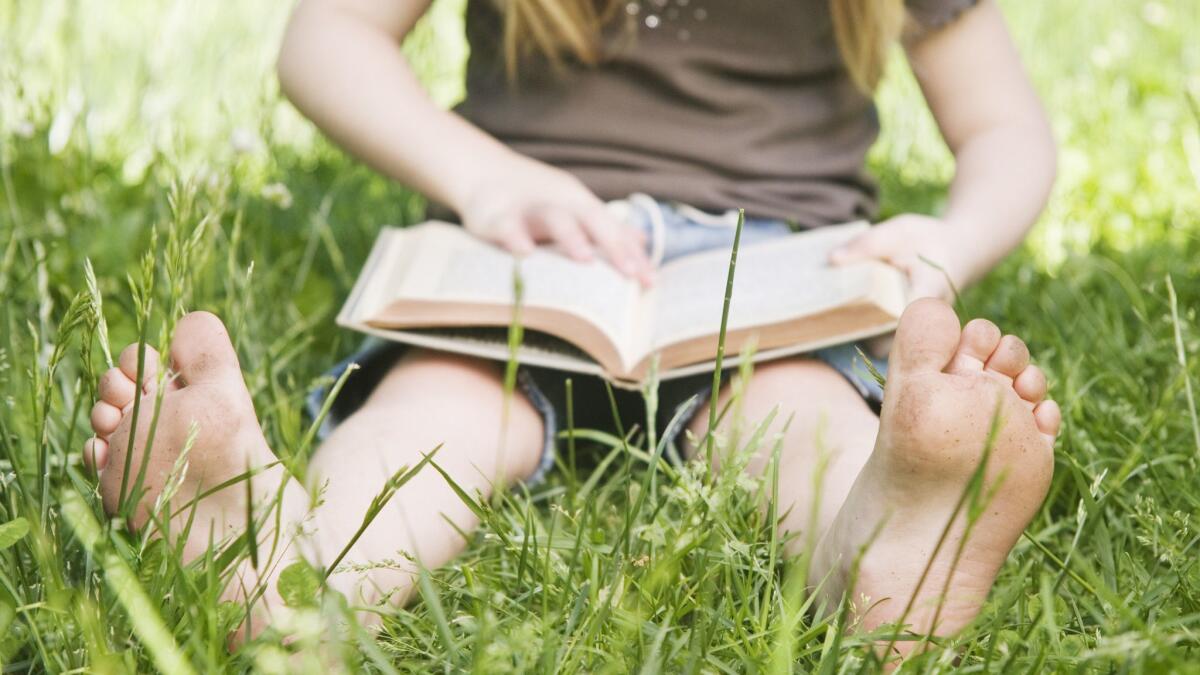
{"points": [[672, 230]]}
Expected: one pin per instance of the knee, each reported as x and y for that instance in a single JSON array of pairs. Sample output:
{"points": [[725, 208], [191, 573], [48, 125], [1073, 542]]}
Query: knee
{"points": [[772, 383], [803, 389], [776, 383], [453, 369], [792, 386], [781, 380], [438, 380], [461, 400]]}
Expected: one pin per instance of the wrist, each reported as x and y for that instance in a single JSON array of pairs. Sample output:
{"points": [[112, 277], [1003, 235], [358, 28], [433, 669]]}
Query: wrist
{"points": [[478, 160], [966, 259], [472, 179]]}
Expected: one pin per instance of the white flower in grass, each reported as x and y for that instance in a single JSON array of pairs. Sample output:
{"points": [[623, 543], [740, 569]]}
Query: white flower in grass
{"points": [[244, 141], [278, 194], [23, 129], [748, 483], [64, 121], [136, 164], [1154, 13]]}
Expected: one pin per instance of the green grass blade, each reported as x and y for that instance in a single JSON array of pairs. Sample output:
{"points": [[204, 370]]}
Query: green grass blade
{"points": [[139, 608]]}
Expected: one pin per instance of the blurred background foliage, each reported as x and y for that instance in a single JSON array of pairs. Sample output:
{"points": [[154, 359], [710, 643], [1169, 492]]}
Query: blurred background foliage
{"points": [[186, 88]]}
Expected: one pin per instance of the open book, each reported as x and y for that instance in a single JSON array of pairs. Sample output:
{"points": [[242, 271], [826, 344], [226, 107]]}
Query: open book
{"points": [[434, 285]]}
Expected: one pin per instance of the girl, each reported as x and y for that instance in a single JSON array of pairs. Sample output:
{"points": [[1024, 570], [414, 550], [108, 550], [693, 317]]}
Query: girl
{"points": [[677, 111]]}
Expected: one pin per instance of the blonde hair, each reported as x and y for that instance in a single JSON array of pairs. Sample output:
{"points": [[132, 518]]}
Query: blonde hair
{"points": [[865, 30]]}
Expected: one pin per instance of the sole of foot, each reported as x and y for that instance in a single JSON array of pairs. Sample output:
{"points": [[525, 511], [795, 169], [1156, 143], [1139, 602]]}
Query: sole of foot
{"points": [[954, 397], [205, 410]]}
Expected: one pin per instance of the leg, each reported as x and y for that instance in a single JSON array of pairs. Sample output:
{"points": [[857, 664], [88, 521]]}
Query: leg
{"points": [[945, 387], [426, 399], [209, 397], [827, 421]]}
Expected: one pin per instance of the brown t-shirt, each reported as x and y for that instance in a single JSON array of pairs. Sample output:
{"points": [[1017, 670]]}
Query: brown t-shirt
{"points": [[716, 103]]}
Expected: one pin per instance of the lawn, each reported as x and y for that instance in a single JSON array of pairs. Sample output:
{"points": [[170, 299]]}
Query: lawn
{"points": [[149, 166]]}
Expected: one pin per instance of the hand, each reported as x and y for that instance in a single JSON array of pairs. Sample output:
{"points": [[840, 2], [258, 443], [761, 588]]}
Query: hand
{"points": [[917, 245], [527, 203]]}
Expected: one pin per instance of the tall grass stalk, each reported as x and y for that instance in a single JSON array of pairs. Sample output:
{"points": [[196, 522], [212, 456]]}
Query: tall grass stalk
{"points": [[717, 368]]}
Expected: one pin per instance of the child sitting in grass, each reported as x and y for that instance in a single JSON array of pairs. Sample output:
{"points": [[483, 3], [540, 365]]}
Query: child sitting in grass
{"points": [[674, 111]]}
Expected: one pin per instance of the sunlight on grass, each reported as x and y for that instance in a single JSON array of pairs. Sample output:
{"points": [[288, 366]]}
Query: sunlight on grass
{"points": [[121, 119]]}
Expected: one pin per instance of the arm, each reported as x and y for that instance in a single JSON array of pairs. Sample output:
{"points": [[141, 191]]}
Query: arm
{"points": [[1004, 153], [341, 65]]}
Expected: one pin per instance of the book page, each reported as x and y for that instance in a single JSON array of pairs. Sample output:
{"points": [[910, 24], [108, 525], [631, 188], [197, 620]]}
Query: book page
{"points": [[774, 281], [436, 286], [491, 342], [454, 266]]}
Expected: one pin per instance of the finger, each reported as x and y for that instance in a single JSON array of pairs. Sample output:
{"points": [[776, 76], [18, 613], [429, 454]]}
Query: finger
{"points": [[878, 243], [926, 283], [639, 234], [638, 239], [632, 248], [619, 245], [560, 227], [512, 234]]}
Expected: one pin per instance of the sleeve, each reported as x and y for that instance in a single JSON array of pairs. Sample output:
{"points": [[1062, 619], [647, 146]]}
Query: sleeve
{"points": [[930, 15]]}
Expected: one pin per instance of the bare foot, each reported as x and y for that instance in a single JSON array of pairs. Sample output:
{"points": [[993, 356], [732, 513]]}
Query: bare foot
{"points": [[944, 388], [205, 395]]}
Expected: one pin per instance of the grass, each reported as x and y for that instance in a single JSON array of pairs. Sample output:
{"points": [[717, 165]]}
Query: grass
{"points": [[148, 143]]}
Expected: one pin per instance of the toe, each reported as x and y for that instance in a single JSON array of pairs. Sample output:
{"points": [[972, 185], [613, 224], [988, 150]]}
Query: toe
{"points": [[105, 418], [95, 454], [979, 339], [129, 364], [1010, 358], [1048, 418], [1030, 385], [926, 337], [116, 388], [201, 349]]}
